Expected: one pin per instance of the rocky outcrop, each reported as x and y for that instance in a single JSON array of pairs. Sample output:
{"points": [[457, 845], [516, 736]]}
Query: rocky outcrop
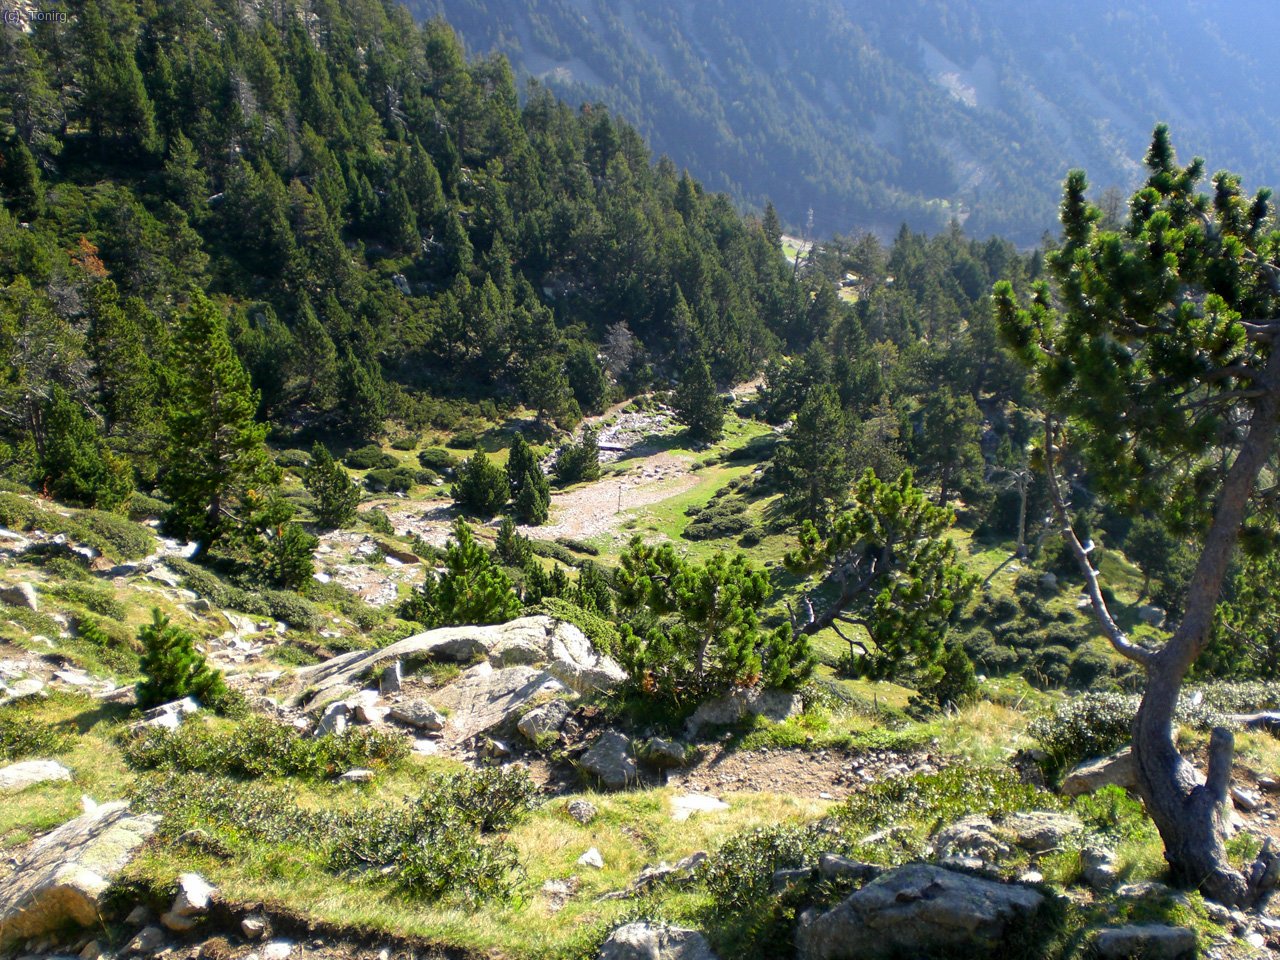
{"points": [[28, 773], [419, 714], [917, 910], [484, 698], [776, 705], [1092, 775], [60, 877], [543, 719], [655, 941], [20, 595], [561, 648]]}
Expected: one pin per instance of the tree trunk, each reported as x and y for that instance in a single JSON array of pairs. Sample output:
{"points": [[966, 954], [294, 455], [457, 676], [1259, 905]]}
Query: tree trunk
{"points": [[1190, 814]]}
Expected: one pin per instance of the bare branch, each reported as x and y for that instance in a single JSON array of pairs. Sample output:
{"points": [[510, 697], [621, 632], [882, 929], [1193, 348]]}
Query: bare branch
{"points": [[1123, 645]]}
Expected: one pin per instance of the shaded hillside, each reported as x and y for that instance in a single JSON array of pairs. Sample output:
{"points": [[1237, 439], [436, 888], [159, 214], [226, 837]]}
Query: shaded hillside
{"points": [[872, 114]]}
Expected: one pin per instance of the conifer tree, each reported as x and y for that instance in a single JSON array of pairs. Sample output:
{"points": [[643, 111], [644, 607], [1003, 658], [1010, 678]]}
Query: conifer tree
{"points": [[530, 490], [512, 547], [579, 462], [947, 446], [76, 465], [473, 590], [335, 493], [316, 363], [813, 464], [217, 451], [364, 396], [172, 667], [697, 404], [480, 486]]}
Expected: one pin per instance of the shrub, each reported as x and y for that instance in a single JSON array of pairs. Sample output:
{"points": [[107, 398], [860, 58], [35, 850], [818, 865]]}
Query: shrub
{"points": [[716, 529], [258, 747], [172, 667], [22, 735], [942, 797], [92, 597], [578, 462], [463, 440], [1091, 725], [1049, 667], [371, 457], [378, 522], [294, 459], [740, 873], [438, 459], [404, 443], [143, 507], [578, 546], [395, 480], [117, 537], [472, 590], [600, 631], [294, 610], [554, 551], [1088, 666]]}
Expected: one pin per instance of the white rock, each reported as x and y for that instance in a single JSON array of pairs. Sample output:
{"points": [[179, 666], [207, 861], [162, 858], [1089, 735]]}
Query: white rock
{"points": [[277, 950], [194, 895], [28, 773], [358, 775], [253, 926], [683, 807], [591, 858]]}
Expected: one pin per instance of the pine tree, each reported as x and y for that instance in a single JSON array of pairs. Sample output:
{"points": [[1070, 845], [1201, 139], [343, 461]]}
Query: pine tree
{"points": [[697, 405], [217, 451], [172, 667], [947, 445], [20, 180], [335, 493], [480, 486], [473, 590], [76, 466], [364, 396], [578, 462], [512, 547], [813, 464], [316, 363], [530, 490]]}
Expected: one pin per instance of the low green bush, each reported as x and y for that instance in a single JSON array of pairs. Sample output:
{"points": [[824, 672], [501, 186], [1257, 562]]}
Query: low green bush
{"points": [[370, 458], [93, 598], [296, 611], [395, 480], [143, 507], [404, 443], [23, 735], [1091, 725], [378, 522], [555, 551], [118, 538], [578, 546], [295, 459], [599, 630], [438, 459], [258, 747], [942, 797]]}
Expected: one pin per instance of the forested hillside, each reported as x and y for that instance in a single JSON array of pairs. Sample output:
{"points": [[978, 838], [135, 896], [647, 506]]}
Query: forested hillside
{"points": [[872, 113]]}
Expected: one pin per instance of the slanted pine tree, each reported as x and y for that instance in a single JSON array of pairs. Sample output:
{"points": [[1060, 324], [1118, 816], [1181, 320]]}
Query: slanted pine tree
{"points": [[172, 667]]}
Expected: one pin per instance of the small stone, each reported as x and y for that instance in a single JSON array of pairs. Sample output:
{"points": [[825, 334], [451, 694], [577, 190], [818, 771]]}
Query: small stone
{"points": [[148, 940], [177, 923], [1269, 784], [389, 679], [358, 775], [194, 895], [28, 773], [334, 720], [582, 811], [592, 858], [1031, 876], [543, 719], [832, 866], [92, 950], [610, 760], [253, 926], [664, 753], [139, 914], [1256, 940], [277, 950], [1248, 802], [682, 808]]}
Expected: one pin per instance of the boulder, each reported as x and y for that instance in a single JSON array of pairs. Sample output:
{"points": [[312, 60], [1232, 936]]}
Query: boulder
{"points": [[582, 811], [655, 941], [419, 714], [1040, 830], [776, 705], [334, 720], [27, 773], [168, 715], [1092, 775], [60, 877], [1150, 941], [971, 837], [543, 719], [664, 753], [592, 858], [1152, 615], [917, 910], [685, 806], [389, 679], [21, 690], [20, 595], [565, 650], [149, 940], [484, 698], [194, 895], [610, 760], [833, 866], [1098, 867]]}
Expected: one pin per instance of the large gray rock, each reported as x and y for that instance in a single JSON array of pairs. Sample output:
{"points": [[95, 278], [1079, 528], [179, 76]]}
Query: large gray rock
{"points": [[1152, 615], [1152, 941], [60, 877], [562, 647], [610, 759], [1040, 830], [655, 941], [1092, 775], [543, 719], [19, 776], [418, 713], [484, 698], [776, 705], [20, 595], [917, 910], [973, 836]]}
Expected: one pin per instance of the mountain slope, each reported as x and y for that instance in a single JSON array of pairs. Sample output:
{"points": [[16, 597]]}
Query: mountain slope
{"points": [[871, 114]]}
